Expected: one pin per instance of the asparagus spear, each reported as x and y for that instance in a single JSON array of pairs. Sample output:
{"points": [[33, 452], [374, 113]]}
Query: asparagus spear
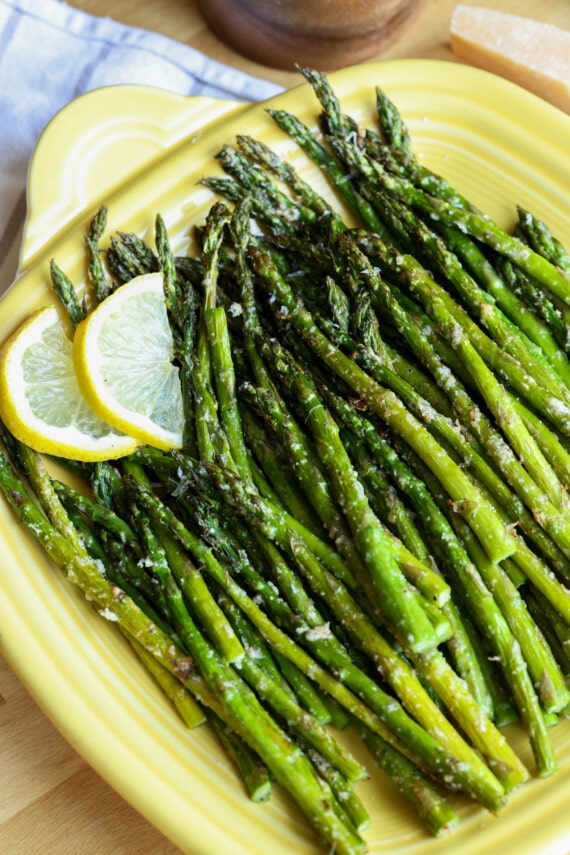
{"points": [[522, 317], [205, 403], [538, 235], [491, 531], [478, 225], [509, 650], [553, 406], [261, 154], [95, 271], [349, 609], [187, 707], [124, 264], [255, 180], [470, 414], [323, 644], [396, 153], [369, 535], [504, 413], [439, 254], [341, 180], [483, 605], [254, 773], [434, 811], [272, 475], [223, 441], [432, 664], [64, 288], [224, 691], [465, 655]]}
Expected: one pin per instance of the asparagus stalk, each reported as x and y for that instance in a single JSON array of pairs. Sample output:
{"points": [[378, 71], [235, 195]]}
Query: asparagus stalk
{"points": [[205, 404], [239, 707], [187, 707], [498, 542], [225, 385], [261, 154], [515, 666], [467, 658], [523, 318], [553, 406], [542, 667], [369, 536], [470, 414], [481, 602], [504, 413], [138, 251], [255, 180], [280, 669], [184, 583], [396, 153], [434, 667], [274, 411], [550, 444], [479, 226], [538, 235], [65, 290], [431, 807], [272, 475], [335, 523], [438, 253], [381, 707], [305, 724], [254, 773], [554, 313], [341, 179], [98, 280], [124, 263]]}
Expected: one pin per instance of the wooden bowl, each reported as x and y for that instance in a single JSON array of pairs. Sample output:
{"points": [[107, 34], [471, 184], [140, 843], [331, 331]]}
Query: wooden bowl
{"points": [[323, 34]]}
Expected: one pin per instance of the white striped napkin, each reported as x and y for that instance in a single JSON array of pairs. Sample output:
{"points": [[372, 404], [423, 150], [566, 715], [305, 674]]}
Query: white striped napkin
{"points": [[51, 53]]}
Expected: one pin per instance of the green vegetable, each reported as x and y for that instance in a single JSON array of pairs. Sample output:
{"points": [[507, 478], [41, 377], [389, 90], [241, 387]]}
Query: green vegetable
{"points": [[368, 526]]}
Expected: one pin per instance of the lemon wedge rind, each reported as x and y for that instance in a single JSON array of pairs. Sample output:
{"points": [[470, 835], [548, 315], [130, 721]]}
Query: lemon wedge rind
{"points": [[123, 357], [41, 403]]}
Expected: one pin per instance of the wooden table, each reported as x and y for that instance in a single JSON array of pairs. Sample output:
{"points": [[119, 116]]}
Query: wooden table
{"points": [[427, 36], [52, 802]]}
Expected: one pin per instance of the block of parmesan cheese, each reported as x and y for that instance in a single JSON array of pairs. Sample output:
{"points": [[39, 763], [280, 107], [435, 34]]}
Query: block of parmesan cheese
{"points": [[533, 54]]}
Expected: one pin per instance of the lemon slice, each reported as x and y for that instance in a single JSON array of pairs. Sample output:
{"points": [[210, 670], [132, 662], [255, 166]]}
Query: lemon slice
{"points": [[40, 400], [123, 355]]}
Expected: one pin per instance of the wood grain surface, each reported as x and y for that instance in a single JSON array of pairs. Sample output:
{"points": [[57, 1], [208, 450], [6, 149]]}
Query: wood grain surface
{"points": [[51, 802]]}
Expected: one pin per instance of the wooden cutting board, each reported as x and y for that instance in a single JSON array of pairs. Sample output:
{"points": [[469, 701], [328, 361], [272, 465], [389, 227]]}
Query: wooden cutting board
{"points": [[51, 801]]}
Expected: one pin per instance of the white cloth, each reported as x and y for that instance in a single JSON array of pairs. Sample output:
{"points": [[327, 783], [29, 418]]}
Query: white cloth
{"points": [[50, 53]]}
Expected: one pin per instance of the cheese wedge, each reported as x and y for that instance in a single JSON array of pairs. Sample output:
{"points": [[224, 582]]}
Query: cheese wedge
{"points": [[530, 53]]}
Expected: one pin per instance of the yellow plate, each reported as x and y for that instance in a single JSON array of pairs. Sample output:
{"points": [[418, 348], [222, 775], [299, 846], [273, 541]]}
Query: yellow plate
{"points": [[142, 151]]}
